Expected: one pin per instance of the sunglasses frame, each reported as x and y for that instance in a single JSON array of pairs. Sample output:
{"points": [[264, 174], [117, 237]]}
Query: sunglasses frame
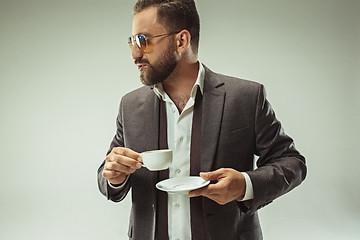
{"points": [[135, 39]]}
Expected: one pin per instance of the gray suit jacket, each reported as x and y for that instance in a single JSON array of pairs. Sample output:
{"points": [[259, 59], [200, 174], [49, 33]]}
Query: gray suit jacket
{"points": [[238, 123]]}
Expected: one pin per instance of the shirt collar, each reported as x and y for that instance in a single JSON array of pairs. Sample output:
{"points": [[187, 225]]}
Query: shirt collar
{"points": [[199, 83]]}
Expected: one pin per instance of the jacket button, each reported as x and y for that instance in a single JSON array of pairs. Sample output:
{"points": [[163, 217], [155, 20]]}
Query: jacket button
{"points": [[153, 207]]}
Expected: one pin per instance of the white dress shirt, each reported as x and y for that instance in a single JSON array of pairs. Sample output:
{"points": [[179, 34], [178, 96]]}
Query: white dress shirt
{"points": [[179, 140]]}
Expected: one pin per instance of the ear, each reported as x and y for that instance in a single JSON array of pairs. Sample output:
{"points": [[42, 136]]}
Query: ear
{"points": [[183, 41]]}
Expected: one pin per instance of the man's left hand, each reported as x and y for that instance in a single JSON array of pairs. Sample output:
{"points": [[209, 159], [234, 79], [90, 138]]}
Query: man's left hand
{"points": [[230, 186]]}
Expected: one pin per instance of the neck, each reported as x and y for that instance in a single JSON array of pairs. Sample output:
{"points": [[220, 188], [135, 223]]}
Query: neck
{"points": [[181, 81], [179, 84]]}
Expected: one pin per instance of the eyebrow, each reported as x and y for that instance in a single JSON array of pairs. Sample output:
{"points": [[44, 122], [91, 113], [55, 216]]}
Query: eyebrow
{"points": [[143, 33]]}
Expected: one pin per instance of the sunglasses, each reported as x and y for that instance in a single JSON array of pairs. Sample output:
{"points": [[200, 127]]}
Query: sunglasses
{"points": [[142, 42]]}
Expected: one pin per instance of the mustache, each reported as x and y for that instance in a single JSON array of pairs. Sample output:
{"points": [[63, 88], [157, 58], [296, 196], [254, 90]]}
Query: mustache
{"points": [[139, 61]]}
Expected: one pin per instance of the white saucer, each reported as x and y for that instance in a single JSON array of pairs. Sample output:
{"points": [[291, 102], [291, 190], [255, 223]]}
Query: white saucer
{"points": [[182, 185]]}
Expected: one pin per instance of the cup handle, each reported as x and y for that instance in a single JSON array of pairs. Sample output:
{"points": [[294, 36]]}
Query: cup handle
{"points": [[142, 162]]}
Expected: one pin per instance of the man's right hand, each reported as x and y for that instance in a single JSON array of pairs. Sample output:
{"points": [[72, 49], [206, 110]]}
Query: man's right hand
{"points": [[120, 163]]}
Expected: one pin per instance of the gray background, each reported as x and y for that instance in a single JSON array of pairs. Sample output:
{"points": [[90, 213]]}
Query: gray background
{"points": [[64, 66]]}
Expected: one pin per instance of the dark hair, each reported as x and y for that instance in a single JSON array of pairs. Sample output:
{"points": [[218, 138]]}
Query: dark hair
{"points": [[175, 15]]}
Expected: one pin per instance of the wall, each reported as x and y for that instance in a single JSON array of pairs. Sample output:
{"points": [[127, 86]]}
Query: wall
{"points": [[64, 66]]}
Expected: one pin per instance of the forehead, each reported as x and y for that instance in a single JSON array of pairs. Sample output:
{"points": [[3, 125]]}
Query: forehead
{"points": [[145, 22]]}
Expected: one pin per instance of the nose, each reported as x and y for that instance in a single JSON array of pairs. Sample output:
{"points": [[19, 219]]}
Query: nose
{"points": [[136, 52]]}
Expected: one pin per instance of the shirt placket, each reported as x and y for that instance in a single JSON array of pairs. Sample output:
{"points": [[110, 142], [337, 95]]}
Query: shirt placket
{"points": [[180, 204]]}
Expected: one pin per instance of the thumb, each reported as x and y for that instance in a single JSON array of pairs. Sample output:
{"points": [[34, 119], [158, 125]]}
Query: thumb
{"points": [[212, 176]]}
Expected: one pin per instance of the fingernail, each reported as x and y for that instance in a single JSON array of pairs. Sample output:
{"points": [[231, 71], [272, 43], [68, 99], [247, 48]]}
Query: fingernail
{"points": [[138, 165], [204, 174], [139, 159]]}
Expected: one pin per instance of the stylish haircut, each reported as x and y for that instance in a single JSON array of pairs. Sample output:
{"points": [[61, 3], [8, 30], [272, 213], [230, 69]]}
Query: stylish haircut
{"points": [[175, 15]]}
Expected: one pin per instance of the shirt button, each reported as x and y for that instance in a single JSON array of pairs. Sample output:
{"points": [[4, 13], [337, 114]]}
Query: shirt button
{"points": [[181, 139], [178, 171], [177, 205]]}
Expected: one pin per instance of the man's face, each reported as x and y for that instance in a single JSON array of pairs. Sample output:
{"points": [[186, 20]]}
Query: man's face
{"points": [[156, 65]]}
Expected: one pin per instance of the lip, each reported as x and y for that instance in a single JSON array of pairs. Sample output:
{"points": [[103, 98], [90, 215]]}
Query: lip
{"points": [[141, 67]]}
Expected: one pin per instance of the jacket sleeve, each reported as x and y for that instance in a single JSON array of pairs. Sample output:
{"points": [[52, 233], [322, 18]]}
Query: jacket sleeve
{"points": [[280, 167], [115, 195]]}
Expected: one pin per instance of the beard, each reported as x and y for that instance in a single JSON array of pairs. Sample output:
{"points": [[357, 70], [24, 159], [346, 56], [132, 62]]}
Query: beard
{"points": [[160, 69]]}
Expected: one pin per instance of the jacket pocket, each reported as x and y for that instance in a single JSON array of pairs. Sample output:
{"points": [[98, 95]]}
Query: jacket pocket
{"points": [[233, 132], [235, 149]]}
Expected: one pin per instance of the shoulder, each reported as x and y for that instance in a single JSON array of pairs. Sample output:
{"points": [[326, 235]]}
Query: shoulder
{"points": [[137, 99], [230, 84], [138, 96], [138, 93]]}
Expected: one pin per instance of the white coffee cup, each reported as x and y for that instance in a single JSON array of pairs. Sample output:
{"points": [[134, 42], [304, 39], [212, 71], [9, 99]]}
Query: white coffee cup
{"points": [[157, 159]]}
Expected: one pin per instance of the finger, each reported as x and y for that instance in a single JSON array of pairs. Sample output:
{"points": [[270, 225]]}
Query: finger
{"points": [[126, 152], [212, 176], [208, 191], [129, 162], [195, 193], [123, 160], [118, 167], [115, 177], [211, 194], [108, 174]]}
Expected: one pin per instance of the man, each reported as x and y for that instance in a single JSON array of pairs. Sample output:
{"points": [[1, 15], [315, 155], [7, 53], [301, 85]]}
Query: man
{"points": [[214, 124]]}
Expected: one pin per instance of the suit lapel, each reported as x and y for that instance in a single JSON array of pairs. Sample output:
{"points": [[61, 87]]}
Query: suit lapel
{"points": [[213, 104], [150, 115]]}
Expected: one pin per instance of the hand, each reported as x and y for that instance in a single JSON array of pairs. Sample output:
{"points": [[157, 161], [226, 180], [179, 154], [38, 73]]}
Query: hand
{"points": [[230, 186], [120, 163]]}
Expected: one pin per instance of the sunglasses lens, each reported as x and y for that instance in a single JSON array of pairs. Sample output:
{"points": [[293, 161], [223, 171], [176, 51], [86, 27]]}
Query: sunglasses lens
{"points": [[130, 42], [141, 42]]}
